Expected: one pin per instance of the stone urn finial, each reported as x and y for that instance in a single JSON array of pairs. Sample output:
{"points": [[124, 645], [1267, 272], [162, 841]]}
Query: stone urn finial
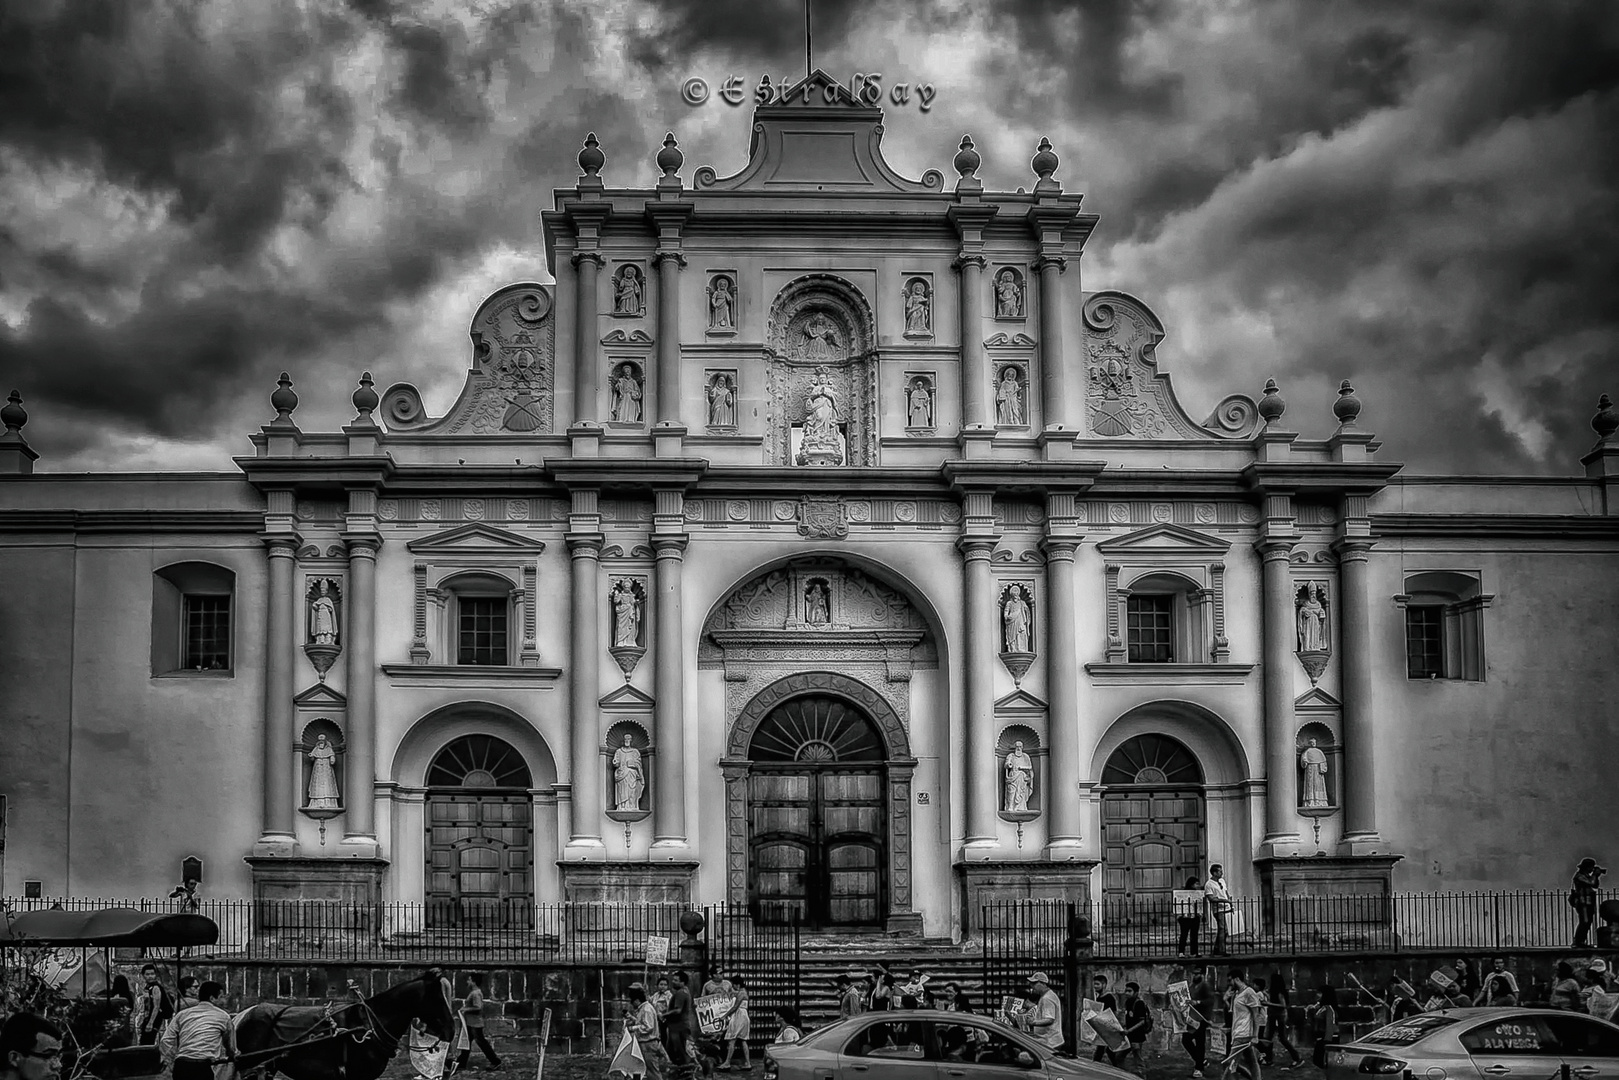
{"points": [[1604, 423], [1271, 406], [591, 158], [967, 159], [1044, 163], [670, 158], [283, 400], [1347, 407], [365, 400], [14, 416]]}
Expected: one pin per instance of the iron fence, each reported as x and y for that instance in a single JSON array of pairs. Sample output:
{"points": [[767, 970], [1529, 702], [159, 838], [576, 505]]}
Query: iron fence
{"points": [[1021, 937], [764, 946]]}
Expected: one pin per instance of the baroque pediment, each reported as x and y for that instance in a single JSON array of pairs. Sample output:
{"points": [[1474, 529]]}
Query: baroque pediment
{"points": [[1165, 540], [476, 538], [1316, 698], [627, 697], [320, 696], [1019, 701]]}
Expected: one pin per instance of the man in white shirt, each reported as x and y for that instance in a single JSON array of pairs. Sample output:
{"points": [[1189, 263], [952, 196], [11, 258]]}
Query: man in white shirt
{"points": [[1218, 898], [1044, 1021], [200, 1037], [1247, 1011]]}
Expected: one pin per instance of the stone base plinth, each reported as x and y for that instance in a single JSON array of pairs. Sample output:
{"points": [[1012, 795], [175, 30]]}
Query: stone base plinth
{"points": [[299, 877], [1329, 900], [663, 882], [999, 881]]}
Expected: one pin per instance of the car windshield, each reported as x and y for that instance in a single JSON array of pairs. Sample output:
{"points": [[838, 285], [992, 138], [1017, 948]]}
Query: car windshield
{"points": [[1409, 1030]]}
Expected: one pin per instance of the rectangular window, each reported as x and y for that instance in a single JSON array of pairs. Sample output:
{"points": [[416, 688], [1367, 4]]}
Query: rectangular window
{"points": [[207, 633], [482, 631], [1425, 641], [1150, 622]]}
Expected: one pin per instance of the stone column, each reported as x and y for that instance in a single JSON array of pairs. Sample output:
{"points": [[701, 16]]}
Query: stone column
{"points": [[588, 266], [983, 787], [1280, 736], [1053, 368], [1358, 783], [1065, 768], [585, 550], [669, 688], [974, 376], [360, 648], [277, 836], [669, 264]]}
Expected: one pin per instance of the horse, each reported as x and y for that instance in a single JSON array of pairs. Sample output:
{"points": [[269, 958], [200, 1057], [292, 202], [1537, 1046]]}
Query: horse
{"points": [[339, 1042]]}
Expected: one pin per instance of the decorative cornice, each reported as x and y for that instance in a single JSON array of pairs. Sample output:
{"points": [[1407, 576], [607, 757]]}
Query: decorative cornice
{"points": [[468, 676], [1316, 477], [1169, 674]]}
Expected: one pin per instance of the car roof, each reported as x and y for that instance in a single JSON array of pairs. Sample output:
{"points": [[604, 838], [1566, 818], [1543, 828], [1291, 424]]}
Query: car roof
{"points": [[1472, 1015]]}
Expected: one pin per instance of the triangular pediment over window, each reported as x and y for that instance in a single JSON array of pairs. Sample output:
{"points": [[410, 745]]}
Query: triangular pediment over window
{"points": [[1020, 701], [1165, 539], [626, 697], [476, 537], [1316, 698], [320, 696]]}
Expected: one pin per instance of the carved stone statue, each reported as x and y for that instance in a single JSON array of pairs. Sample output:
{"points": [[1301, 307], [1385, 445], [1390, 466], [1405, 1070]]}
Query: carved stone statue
{"points": [[626, 615], [720, 304], [1019, 780], [721, 402], [817, 603], [1009, 398], [627, 296], [322, 794], [1008, 295], [821, 442], [323, 615], [626, 395], [918, 308], [629, 779], [821, 340], [1016, 617], [1312, 619], [919, 404], [1314, 763]]}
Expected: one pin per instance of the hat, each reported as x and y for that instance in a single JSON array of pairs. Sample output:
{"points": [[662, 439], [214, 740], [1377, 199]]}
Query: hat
{"points": [[1598, 965], [638, 986], [1039, 977], [1586, 862]]}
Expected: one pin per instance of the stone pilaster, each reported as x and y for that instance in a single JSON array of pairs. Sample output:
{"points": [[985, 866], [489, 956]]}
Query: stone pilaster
{"points": [[669, 714], [1065, 765], [669, 265], [1281, 834], [969, 216], [977, 544], [361, 768], [587, 271], [1359, 782], [276, 834], [585, 540], [1053, 364]]}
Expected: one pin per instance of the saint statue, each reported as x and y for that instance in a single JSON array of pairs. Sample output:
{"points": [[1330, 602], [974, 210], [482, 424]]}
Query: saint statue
{"points": [[722, 402], [322, 776], [919, 411], [1015, 619], [817, 603], [918, 319], [1314, 763], [627, 299], [821, 417], [626, 396], [1312, 620], [626, 615], [628, 778], [720, 302], [820, 339], [1008, 295], [323, 615], [1019, 780], [1009, 398]]}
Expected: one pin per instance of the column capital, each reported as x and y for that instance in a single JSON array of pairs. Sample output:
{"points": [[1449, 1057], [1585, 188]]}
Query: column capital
{"points": [[281, 545], [977, 547], [590, 255], [1352, 548], [670, 545], [1274, 548], [1050, 260], [584, 545], [663, 255], [969, 258], [1060, 548], [362, 545]]}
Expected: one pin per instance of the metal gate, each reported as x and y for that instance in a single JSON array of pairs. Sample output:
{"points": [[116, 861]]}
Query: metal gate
{"points": [[1024, 936], [763, 944]]}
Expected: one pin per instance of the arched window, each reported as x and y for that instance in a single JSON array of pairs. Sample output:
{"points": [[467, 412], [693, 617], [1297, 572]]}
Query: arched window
{"points": [[193, 619], [1165, 620], [1444, 625], [816, 729], [1156, 760], [480, 613], [478, 761]]}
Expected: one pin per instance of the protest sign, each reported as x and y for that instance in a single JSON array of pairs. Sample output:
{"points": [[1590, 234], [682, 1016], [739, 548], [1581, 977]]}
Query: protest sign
{"points": [[711, 1012], [657, 951], [1180, 1006]]}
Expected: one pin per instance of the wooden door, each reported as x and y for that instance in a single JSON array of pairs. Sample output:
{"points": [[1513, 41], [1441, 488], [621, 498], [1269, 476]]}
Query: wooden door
{"points": [[816, 845], [1152, 841], [479, 868]]}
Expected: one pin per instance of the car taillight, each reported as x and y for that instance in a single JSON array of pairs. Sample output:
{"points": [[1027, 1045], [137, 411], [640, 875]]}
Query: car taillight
{"points": [[1380, 1065]]}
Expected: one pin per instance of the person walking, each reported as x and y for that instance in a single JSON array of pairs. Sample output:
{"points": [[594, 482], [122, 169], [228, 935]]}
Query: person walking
{"points": [[1188, 917], [1566, 989], [1044, 1021], [852, 1000], [678, 1021], [1108, 1003], [1137, 1024], [1279, 1022], [643, 1025], [1218, 899], [1323, 1024], [200, 1037], [188, 993], [1583, 896], [472, 1017], [1500, 986], [738, 1027], [1195, 1039], [156, 1007], [1247, 1014]]}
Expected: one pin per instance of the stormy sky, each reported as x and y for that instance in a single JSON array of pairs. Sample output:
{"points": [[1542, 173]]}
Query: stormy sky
{"points": [[1421, 197]]}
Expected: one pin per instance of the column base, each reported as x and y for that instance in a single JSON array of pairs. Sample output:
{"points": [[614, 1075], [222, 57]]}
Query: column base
{"points": [[333, 878], [671, 849], [359, 846], [904, 924], [1066, 850], [981, 848], [1329, 901], [1357, 845], [658, 882], [999, 881], [1282, 846], [274, 845], [588, 849]]}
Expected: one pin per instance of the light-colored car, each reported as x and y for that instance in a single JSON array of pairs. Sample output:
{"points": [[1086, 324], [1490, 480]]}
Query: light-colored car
{"points": [[1483, 1044], [924, 1044]]}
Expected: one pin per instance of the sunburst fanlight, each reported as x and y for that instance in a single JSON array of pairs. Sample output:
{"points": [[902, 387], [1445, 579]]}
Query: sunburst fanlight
{"points": [[816, 730], [478, 761], [1152, 759]]}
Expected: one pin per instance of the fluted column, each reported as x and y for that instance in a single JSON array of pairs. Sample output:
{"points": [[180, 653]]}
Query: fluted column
{"points": [[588, 266], [669, 264], [1062, 682], [669, 715], [1359, 784], [1280, 736], [974, 375], [584, 548], [982, 781], [1053, 369], [277, 833], [361, 646]]}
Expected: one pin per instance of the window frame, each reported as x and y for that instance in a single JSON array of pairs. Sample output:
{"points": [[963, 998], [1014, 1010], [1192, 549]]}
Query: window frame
{"points": [[175, 586], [477, 586], [1163, 605], [186, 609], [1460, 599]]}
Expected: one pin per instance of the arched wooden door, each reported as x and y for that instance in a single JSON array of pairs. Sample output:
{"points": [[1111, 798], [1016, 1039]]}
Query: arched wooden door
{"points": [[1152, 829], [480, 836], [817, 827]]}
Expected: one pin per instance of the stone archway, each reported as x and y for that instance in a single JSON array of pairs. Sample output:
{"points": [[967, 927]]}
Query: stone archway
{"points": [[895, 769]]}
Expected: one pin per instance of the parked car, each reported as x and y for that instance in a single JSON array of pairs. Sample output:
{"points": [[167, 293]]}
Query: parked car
{"points": [[1483, 1044], [923, 1044]]}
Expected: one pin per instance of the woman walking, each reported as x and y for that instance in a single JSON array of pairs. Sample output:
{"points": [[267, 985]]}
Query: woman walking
{"points": [[1323, 1024], [738, 1027], [1583, 896], [1279, 1007]]}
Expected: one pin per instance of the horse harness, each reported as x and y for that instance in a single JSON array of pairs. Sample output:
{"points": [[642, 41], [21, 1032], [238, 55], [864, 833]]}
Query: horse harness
{"points": [[371, 1029]]}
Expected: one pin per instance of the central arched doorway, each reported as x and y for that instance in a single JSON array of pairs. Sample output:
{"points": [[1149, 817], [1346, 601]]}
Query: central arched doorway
{"points": [[1153, 828], [817, 824], [480, 837]]}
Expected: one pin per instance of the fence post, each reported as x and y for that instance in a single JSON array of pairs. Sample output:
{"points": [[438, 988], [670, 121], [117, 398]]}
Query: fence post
{"points": [[1070, 978]]}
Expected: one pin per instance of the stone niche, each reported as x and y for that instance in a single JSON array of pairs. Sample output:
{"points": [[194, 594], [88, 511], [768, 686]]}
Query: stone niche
{"points": [[821, 345]]}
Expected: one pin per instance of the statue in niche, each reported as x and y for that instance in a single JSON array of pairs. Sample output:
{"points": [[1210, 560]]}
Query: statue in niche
{"points": [[1009, 398], [1019, 780], [919, 404], [821, 340], [626, 395], [627, 296], [626, 614], [629, 779], [1314, 763], [821, 422], [322, 792], [1008, 295], [721, 402], [721, 302], [1312, 619], [1016, 619], [918, 308], [323, 615], [817, 603]]}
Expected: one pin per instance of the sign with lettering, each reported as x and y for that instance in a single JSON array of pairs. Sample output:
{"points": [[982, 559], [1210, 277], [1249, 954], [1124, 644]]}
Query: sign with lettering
{"points": [[1513, 1035], [711, 1013], [657, 951]]}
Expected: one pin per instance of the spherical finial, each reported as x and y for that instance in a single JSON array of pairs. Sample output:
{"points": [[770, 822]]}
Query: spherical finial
{"points": [[365, 398], [670, 158], [1044, 161], [283, 400], [1271, 406], [1604, 423], [591, 159], [967, 159], [14, 416], [1347, 407]]}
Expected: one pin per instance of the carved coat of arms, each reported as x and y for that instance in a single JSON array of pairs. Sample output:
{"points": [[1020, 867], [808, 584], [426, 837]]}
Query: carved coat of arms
{"points": [[822, 517]]}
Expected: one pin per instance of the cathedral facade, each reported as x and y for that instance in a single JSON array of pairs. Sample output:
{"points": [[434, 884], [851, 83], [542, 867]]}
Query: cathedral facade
{"points": [[815, 542]]}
